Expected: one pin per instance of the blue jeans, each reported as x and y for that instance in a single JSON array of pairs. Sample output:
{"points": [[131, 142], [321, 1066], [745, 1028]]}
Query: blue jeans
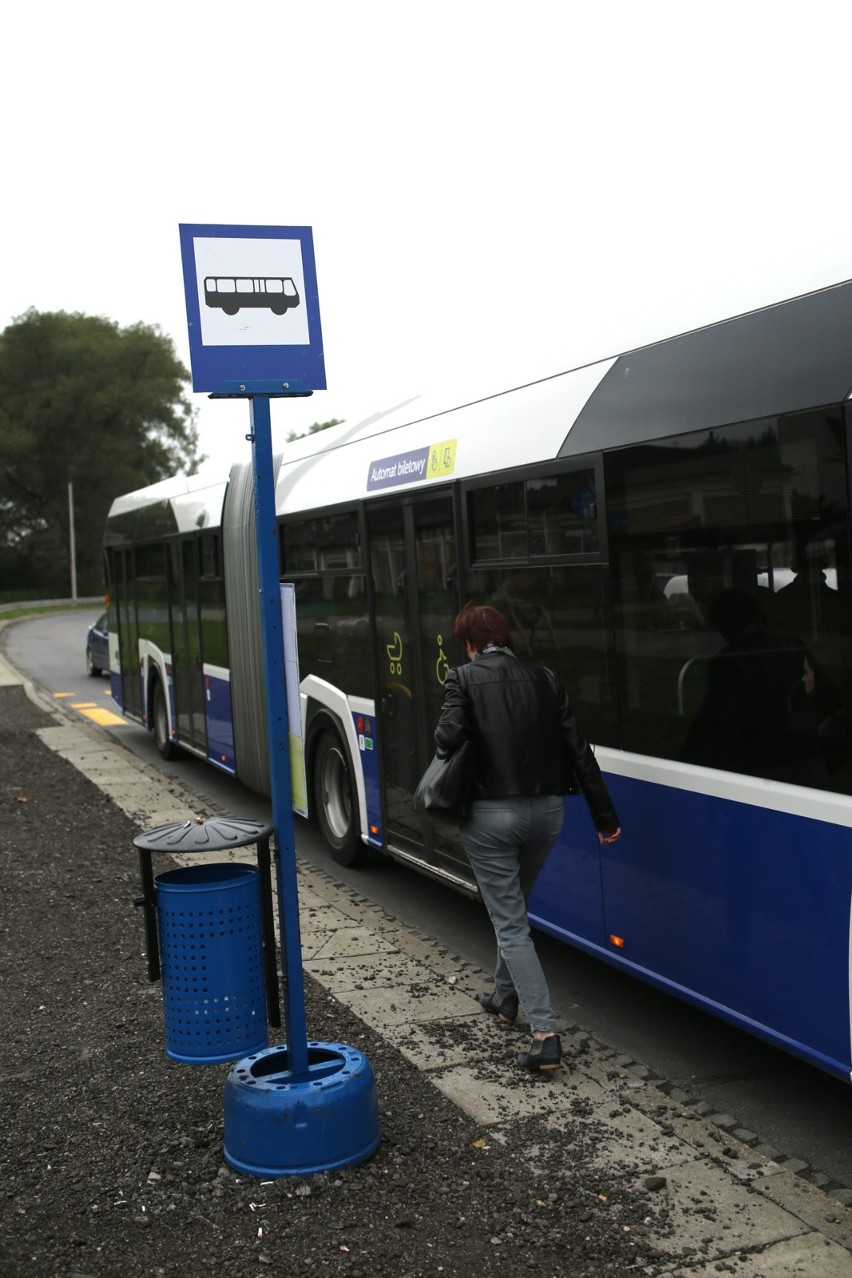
{"points": [[507, 841]]}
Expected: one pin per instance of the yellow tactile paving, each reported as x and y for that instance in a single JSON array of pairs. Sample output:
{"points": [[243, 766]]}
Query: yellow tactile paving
{"points": [[98, 714]]}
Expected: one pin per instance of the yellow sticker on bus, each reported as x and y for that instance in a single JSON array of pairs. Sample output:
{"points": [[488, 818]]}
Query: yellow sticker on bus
{"points": [[442, 459]]}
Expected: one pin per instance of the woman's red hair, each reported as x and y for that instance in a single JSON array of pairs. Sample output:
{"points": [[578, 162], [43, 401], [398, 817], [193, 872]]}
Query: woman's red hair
{"points": [[480, 624]]}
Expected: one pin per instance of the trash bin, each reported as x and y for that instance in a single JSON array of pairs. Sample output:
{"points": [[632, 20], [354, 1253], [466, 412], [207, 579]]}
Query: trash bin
{"points": [[214, 1003], [210, 935]]}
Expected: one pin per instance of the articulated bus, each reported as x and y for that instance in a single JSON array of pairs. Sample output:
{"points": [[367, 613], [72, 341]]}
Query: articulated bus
{"points": [[669, 530]]}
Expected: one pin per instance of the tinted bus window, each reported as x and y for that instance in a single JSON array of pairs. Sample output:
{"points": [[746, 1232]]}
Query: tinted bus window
{"points": [[559, 616], [562, 513], [211, 596], [550, 515], [321, 544], [438, 603], [152, 597], [730, 570], [331, 600], [499, 523]]}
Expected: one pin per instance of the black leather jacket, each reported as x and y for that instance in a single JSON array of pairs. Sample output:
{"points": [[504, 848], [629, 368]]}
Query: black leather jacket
{"points": [[527, 739]]}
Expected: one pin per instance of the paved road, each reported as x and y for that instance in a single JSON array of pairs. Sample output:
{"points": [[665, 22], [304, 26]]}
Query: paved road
{"points": [[791, 1106]]}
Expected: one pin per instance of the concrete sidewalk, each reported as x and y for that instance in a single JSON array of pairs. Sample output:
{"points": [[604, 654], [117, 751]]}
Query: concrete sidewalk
{"points": [[731, 1205]]}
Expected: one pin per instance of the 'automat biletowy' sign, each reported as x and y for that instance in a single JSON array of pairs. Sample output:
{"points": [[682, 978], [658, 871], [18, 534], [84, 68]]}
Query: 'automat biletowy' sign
{"points": [[252, 305], [435, 461]]}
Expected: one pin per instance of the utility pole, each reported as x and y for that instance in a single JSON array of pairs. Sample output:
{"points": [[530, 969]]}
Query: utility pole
{"points": [[71, 540]]}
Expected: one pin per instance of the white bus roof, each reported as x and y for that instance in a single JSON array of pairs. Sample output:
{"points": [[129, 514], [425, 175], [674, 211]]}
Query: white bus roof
{"points": [[392, 450], [792, 356], [195, 502]]}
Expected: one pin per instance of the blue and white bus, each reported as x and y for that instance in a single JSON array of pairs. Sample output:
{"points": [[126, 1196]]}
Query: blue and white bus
{"points": [[670, 531]]}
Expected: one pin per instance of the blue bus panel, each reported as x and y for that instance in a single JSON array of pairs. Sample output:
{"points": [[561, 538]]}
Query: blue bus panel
{"points": [[706, 899], [220, 722]]}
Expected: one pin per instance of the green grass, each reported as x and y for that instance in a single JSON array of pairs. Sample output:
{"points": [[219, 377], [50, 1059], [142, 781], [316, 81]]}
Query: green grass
{"points": [[13, 612], [19, 596]]}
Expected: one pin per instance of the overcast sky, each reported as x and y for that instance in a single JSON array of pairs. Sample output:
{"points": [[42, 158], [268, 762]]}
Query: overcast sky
{"points": [[497, 192]]}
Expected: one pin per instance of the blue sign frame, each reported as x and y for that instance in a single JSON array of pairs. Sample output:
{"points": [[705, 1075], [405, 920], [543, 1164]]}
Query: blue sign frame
{"points": [[252, 305]]}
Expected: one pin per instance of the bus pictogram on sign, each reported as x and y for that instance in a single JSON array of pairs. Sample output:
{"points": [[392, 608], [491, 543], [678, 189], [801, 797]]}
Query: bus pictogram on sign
{"points": [[231, 292]]}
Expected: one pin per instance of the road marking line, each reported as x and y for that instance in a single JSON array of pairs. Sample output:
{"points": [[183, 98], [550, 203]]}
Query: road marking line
{"points": [[105, 718]]}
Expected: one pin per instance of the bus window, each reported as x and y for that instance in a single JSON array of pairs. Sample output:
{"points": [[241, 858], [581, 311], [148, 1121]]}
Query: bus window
{"points": [[152, 595], [211, 596], [730, 564], [498, 522], [439, 603], [559, 616], [322, 544], [322, 558], [562, 513], [545, 515]]}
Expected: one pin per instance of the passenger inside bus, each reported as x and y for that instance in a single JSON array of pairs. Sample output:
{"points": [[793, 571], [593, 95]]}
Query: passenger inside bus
{"points": [[809, 604], [821, 733], [742, 723], [518, 596]]}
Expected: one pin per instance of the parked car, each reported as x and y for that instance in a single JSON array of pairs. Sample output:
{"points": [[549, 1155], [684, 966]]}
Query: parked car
{"points": [[97, 647]]}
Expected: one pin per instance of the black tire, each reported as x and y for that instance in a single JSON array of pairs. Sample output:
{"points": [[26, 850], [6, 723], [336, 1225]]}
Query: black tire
{"points": [[335, 803], [91, 669], [160, 723]]}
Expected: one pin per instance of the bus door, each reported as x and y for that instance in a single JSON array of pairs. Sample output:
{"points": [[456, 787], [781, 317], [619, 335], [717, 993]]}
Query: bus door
{"points": [[415, 598], [187, 668], [124, 602]]}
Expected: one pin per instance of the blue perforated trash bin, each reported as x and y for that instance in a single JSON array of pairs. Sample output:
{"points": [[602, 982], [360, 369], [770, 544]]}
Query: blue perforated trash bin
{"points": [[212, 962]]}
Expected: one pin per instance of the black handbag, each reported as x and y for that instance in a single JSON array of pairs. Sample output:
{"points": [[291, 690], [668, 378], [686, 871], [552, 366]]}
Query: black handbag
{"points": [[443, 789]]}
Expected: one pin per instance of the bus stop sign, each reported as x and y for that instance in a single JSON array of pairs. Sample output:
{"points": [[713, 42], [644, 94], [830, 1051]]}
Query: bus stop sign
{"points": [[252, 305]]}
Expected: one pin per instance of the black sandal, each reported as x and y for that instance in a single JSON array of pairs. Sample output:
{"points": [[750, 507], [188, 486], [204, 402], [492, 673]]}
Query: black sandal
{"points": [[507, 1010], [545, 1053]]}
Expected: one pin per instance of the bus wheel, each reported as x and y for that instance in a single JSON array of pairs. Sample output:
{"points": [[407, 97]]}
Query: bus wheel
{"points": [[160, 719], [334, 801]]}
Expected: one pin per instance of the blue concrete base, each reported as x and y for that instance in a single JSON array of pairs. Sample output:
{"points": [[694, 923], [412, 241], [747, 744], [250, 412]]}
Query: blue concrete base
{"points": [[277, 1124]]}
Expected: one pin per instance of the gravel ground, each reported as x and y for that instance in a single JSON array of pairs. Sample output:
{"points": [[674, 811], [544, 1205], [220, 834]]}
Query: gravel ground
{"points": [[111, 1155]]}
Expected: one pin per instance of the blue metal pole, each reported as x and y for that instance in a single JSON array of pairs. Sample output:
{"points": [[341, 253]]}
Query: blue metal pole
{"points": [[278, 732]]}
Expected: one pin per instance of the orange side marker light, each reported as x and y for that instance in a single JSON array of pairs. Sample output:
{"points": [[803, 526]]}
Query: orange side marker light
{"points": [[618, 942]]}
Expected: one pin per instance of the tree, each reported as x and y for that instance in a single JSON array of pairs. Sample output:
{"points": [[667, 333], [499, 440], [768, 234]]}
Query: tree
{"points": [[82, 401], [312, 430]]}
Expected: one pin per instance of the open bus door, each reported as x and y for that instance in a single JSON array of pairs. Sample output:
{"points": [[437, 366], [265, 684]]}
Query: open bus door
{"points": [[412, 555]]}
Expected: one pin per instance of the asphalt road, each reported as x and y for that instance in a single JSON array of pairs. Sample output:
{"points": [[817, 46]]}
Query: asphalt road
{"points": [[794, 1107]]}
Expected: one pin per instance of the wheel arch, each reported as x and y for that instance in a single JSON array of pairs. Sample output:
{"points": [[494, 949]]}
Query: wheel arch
{"points": [[154, 671], [324, 706]]}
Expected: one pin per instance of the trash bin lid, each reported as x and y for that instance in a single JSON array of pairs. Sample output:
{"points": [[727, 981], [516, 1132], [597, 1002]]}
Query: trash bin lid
{"points": [[202, 834]]}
